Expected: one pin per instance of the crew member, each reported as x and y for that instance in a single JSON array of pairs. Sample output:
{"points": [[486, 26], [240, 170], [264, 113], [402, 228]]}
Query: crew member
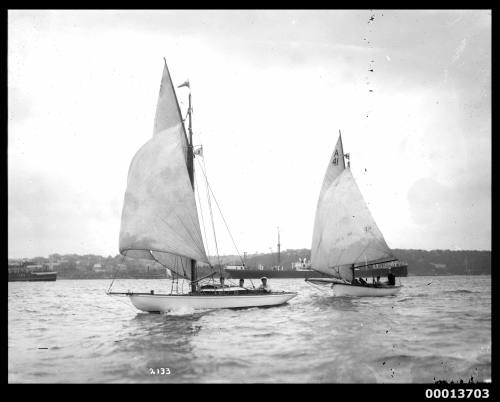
{"points": [[265, 286]]}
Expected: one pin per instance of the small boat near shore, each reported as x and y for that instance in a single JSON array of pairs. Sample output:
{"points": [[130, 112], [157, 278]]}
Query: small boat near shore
{"points": [[347, 242], [31, 273], [160, 217]]}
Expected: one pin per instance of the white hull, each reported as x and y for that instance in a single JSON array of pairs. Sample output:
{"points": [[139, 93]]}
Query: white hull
{"points": [[364, 291], [164, 303]]}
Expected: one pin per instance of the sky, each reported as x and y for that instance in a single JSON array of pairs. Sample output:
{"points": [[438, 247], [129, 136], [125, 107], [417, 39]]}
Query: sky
{"points": [[270, 90]]}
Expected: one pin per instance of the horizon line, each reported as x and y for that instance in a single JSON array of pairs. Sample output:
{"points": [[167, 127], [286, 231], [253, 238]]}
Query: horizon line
{"points": [[248, 254]]}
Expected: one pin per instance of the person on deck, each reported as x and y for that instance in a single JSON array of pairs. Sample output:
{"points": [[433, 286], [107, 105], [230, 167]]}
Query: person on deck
{"points": [[391, 279], [242, 282], [265, 286], [377, 282], [222, 281]]}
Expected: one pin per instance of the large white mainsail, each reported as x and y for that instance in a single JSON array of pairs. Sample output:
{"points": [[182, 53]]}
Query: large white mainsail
{"points": [[159, 217], [345, 232]]}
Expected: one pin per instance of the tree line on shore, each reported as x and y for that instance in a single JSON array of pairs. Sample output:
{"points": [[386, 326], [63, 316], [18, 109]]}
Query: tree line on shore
{"points": [[420, 262]]}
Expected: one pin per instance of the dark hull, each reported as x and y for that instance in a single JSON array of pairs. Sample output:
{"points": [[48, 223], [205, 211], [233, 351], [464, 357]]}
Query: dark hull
{"points": [[269, 273], [399, 270], [33, 277]]}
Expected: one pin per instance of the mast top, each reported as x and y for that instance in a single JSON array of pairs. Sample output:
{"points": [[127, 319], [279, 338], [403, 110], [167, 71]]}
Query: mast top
{"points": [[345, 155]]}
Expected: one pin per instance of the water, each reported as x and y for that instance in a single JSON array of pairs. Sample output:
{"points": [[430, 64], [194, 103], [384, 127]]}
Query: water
{"points": [[437, 328]]}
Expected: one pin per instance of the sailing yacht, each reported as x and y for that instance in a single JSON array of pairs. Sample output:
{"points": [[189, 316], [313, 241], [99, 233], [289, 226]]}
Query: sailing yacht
{"points": [[346, 240], [160, 218]]}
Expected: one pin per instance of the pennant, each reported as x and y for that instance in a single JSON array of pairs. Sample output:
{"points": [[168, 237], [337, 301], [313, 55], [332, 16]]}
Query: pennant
{"points": [[198, 151]]}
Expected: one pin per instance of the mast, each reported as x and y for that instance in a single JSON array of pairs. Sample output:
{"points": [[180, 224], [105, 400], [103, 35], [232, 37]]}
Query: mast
{"points": [[344, 155], [190, 166], [279, 247]]}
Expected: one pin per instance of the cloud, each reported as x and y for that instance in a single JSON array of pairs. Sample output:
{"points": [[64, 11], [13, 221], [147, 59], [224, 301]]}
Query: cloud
{"points": [[47, 214], [460, 49], [443, 213], [270, 91]]}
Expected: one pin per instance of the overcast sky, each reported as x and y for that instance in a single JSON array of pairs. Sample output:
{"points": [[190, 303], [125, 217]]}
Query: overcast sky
{"points": [[271, 89]]}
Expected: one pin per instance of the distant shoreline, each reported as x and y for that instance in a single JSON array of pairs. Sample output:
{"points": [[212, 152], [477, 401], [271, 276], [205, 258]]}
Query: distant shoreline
{"points": [[420, 263], [110, 277]]}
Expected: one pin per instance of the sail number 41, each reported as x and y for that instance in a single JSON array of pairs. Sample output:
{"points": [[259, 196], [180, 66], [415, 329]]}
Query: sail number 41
{"points": [[159, 371]]}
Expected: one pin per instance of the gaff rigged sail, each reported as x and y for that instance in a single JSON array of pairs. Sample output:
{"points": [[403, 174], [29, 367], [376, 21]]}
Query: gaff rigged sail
{"points": [[159, 218], [345, 232]]}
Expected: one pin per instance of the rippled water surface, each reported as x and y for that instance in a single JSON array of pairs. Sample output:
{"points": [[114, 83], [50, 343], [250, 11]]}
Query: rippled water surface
{"points": [[437, 328]]}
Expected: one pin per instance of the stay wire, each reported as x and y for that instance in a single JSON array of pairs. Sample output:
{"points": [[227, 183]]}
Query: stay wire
{"points": [[222, 215], [211, 216], [114, 273], [224, 220], [201, 213]]}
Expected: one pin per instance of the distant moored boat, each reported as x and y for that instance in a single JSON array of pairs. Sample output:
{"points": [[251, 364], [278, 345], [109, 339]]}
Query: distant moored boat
{"points": [[30, 273]]}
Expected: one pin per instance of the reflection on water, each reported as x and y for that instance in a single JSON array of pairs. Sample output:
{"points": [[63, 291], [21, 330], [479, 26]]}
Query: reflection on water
{"points": [[70, 331], [337, 303], [162, 341]]}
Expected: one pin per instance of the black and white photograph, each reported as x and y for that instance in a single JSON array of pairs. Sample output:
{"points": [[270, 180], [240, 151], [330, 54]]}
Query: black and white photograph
{"points": [[250, 197]]}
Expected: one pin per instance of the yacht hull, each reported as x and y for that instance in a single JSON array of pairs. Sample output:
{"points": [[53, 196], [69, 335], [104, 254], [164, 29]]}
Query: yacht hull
{"points": [[364, 291], [341, 288], [165, 303]]}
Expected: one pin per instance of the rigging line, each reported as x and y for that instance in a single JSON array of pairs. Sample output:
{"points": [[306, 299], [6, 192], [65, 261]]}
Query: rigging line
{"points": [[175, 275], [177, 284], [114, 274], [197, 233], [175, 280], [211, 216], [362, 252], [227, 227], [179, 261], [317, 287], [163, 265], [172, 281], [201, 213], [183, 267], [182, 238], [195, 242], [170, 253]]}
